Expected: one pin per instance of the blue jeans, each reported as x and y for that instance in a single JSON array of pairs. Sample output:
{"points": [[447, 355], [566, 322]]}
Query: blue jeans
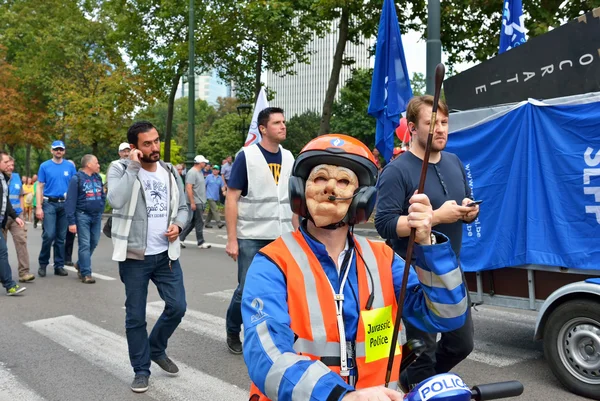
{"points": [[5, 270], [168, 278], [196, 221], [54, 231], [88, 234], [248, 248]]}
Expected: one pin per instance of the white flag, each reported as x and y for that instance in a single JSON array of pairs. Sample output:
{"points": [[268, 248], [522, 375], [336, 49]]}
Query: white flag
{"points": [[253, 133]]}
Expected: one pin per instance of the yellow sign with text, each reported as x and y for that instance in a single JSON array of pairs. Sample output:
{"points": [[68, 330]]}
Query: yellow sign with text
{"points": [[379, 328]]}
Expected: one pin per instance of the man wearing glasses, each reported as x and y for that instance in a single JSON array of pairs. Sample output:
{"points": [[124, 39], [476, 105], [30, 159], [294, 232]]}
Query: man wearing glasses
{"points": [[53, 182]]}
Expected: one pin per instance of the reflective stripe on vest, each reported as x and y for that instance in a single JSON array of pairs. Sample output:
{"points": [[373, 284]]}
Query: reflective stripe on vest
{"points": [[313, 314], [265, 212]]}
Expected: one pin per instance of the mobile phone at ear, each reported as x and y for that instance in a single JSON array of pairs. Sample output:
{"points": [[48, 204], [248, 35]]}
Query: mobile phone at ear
{"points": [[477, 202]]}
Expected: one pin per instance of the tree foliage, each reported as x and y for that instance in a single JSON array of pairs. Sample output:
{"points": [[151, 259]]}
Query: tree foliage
{"points": [[252, 36], [300, 130], [224, 138], [154, 34], [20, 120], [350, 115], [470, 29]]}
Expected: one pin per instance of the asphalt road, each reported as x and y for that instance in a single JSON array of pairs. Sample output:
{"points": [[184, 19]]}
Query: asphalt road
{"points": [[65, 341]]}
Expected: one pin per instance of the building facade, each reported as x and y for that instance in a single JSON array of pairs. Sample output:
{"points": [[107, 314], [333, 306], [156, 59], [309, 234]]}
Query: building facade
{"points": [[306, 90], [208, 87]]}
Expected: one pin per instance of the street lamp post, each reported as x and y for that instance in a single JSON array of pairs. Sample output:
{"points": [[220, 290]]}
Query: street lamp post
{"points": [[244, 111], [191, 151]]}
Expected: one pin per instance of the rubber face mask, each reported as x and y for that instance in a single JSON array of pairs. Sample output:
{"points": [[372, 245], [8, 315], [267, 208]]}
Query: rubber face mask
{"points": [[324, 182]]}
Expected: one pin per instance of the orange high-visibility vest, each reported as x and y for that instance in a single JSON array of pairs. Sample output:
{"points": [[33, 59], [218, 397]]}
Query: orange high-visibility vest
{"points": [[312, 306]]}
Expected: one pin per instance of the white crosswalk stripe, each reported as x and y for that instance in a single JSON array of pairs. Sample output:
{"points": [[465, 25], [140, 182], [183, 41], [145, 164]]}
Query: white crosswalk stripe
{"points": [[11, 389], [95, 275], [193, 321], [108, 351], [212, 244], [498, 355], [225, 294]]}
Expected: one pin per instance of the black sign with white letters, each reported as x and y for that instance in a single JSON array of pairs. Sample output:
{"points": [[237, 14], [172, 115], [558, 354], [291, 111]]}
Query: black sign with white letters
{"points": [[562, 62]]}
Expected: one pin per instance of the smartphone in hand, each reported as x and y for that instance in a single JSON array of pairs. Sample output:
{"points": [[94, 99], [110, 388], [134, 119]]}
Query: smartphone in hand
{"points": [[477, 202]]}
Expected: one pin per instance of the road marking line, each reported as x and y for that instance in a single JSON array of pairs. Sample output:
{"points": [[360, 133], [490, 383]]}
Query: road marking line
{"points": [[95, 275], [194, 321], [225, 294], [108, 351], [12, 389], [212, 244]]}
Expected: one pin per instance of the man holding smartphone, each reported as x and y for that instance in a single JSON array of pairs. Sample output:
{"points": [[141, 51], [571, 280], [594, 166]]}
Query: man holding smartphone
{"points": [[149, 213], [450, 196]]}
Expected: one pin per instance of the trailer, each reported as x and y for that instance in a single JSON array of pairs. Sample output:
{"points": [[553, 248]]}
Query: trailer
{"points": [[536, 243]]}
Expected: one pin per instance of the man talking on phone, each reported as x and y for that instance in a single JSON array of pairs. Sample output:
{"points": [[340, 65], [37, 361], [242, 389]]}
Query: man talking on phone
{"points": [[149, 213], [450, 196]]}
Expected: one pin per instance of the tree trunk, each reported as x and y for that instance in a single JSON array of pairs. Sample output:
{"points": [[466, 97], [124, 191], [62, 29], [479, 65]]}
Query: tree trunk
{"points": [[28, 160], [95, 148], [169, 127], [257, 72], [334, 78]]}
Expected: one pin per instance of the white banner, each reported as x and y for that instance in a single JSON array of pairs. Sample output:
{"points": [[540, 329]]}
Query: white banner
{"points": [[253, 133]]}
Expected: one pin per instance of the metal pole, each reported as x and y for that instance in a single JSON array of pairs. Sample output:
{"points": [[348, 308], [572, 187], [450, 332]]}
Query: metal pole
{"points": [[191, 150], [434, 44]]}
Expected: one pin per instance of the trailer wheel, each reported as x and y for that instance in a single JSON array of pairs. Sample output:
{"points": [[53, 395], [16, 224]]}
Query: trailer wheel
{"points": [[572, 346]]}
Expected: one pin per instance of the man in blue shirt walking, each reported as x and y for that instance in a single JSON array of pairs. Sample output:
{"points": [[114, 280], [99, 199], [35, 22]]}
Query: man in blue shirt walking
{"points": [[53, 182], [214, 187], [84, 207]]}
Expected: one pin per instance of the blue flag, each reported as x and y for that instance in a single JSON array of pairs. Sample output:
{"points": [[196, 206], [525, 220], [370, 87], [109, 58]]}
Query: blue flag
{"points": [[390, 88], [512, 32]]}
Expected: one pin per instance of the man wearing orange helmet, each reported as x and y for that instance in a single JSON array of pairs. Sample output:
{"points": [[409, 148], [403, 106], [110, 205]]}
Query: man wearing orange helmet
{"points": [[319, 304]]}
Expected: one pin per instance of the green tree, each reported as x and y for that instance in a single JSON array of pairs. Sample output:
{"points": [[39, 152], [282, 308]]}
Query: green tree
{"points": [[252, 36], [470, 29], [154, 34], [177, 155], [418, 84], [350, 112], [68, 71], [300, 130], [357, 20], [224, 138]]}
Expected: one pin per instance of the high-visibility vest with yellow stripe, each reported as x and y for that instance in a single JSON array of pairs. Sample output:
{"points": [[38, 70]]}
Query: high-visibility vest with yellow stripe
{"points": [[312, 306]]}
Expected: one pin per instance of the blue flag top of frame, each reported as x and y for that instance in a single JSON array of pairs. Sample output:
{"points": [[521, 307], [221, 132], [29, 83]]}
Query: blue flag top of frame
{"points": [[512, 32], [390, 88]]}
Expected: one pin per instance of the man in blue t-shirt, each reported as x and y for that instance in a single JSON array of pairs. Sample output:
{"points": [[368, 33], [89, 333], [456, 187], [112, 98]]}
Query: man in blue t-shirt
{"points": [[256, 212], [214, 188], [53, 183], [449, 194]]}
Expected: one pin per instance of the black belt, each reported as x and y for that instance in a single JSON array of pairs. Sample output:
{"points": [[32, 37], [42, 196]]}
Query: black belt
{"points": [[53, 199]]}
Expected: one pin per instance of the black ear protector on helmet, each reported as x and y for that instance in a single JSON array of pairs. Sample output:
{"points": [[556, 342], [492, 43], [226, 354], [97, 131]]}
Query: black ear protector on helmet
{"points": [[365, 196]]}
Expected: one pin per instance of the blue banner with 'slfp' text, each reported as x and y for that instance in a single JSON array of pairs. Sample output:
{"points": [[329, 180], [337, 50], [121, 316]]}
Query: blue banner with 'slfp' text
{"points": [[537, 170]]}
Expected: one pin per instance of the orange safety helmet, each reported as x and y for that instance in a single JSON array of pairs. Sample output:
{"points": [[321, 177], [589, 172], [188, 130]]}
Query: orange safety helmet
{"points": [[338, 150]]}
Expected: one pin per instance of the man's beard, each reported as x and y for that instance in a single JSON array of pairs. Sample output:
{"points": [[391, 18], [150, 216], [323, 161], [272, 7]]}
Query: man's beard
{"points": [[148, 159], [434, 146]]}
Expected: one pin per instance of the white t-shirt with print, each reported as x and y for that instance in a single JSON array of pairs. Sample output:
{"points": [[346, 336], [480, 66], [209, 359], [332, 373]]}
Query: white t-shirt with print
{"points": [[156, 190]]}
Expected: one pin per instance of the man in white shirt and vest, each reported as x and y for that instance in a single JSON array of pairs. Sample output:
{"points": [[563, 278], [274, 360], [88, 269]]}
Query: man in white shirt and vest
{"points": [[257, 207]]}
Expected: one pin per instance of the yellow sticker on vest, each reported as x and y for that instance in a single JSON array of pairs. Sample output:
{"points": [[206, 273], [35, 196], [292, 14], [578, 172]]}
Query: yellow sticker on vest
{"points": [[379, 328]]}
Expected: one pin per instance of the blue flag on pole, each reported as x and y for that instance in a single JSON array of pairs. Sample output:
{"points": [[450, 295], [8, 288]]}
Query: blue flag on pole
{"points": [[390, 88], [512, 32]]}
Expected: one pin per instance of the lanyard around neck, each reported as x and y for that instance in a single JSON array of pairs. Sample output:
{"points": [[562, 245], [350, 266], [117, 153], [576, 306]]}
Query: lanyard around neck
{"points": [[339, 308]]}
